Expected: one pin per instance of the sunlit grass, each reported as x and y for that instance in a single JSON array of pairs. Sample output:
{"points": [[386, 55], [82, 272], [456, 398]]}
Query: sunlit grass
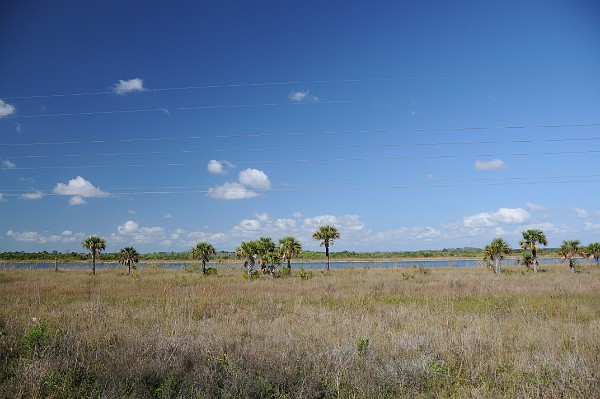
{"points": [[410, 332]]}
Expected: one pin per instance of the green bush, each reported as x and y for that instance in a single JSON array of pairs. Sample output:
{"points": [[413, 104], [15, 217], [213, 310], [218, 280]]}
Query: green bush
{"points": [[37, 337], [304, 274]]}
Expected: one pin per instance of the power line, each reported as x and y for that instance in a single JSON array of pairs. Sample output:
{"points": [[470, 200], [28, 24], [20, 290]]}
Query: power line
{"points": [[291, 134], [308, 160], [346, 146], [235, 85]]}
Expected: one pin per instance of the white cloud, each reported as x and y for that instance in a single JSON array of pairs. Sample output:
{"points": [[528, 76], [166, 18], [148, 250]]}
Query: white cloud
{"points": [[128, 86], [501, 216], [592, 226], [128, 227], [2, 199], [79, 188], [32, 196], [18, 127], [254, 178], [493, 164], [77, 200], [8, 164], [219, 167], [231, 191], [302, 96], [34, 236], [6, 109], [297, 214], [582, 213], [263, 217], [168, 216], [536, 208]]}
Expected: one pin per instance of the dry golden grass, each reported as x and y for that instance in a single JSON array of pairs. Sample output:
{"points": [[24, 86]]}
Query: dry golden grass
{"points": [[373, 333]]}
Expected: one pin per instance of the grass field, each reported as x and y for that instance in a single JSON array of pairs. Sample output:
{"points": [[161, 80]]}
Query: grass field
{"points": [[364, 333]]}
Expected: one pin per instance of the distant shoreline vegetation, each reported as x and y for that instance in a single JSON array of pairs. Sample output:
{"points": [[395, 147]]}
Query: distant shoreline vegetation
{"points": [[230, 257]]}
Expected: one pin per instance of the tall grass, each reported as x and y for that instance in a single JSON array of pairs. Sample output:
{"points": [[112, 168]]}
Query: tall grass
{"points": [[366, 333]]}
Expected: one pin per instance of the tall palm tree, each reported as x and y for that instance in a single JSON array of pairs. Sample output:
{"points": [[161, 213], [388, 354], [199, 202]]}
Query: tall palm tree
{"points": [[326, 235], [531, 238], [128, 255], [569, 250], [202, 251], [247, 250], [495, 251], [289, 247], [593, 251], [95, 245]]}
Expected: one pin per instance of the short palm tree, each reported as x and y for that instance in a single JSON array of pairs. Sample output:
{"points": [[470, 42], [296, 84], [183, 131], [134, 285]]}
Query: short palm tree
{"points": [[593, 251], [527, 261], [569, 250], [127, 256], [265, 250], [95, 245], [326, 235], [248, 251], [495, 251], [202, 251], [530, 241], [288, 248]]}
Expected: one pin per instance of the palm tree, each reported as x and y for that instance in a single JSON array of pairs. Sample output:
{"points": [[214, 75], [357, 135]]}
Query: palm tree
{"points": [[202, 251], [95, 245], [248, 250], [289, 247], [495, 251], [570, 250], [527, 261], [530, 240], [326, 235], [265, 248], [593, 251], [128, 255]]}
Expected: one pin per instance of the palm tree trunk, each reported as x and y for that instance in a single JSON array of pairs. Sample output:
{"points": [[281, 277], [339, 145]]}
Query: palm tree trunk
{"points": [[128, 267], [93, 263], [289, 264], [535, 262], [327, 254], [497, 265], [203, 267], [571, 266]]}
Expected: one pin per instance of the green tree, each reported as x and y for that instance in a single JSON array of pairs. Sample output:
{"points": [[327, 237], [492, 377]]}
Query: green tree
{"points": [[248, 251], [265, 251], [202, 251], [530, 241], [288, 248], [569, 250], [593, 251], [95, 245], [495, 251], [128, 255], [326, 235]]}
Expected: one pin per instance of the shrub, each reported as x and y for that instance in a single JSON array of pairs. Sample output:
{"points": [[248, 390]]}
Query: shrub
{"points": [[211, 271], [37, 337], [304, 274]]}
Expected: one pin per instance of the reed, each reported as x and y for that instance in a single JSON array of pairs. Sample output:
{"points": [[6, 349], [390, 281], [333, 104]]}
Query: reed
{"points": [[366, 333]]}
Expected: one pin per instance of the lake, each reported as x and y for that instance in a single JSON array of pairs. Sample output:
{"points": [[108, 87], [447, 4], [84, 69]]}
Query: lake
{"points": [[295, 265]]}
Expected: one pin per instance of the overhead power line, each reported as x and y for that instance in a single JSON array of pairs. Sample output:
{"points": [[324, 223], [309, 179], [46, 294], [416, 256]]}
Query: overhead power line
{"points": [[308, 160], [297, 148], [259, 84], [292, 134]]}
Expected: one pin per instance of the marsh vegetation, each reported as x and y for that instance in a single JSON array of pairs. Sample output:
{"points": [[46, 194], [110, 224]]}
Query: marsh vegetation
{"points": [[366, 333]]}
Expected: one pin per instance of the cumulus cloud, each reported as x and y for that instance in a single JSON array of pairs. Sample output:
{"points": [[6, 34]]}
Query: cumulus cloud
{"points": [[35, 237], [219, 167], [79, 188], [302, 96], [6, 109], [32, 196], [501, 216], [536, 208], [8, 164], [582, 213], [493, 164], [231, 191], [248, 180], [132, 231], [128, 86], [254, 178]]}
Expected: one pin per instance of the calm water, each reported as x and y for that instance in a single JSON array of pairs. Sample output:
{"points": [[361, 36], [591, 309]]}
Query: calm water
{"points": [[306, 265]]}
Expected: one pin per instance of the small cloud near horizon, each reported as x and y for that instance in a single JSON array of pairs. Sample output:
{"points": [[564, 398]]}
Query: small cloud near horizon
{"points": [[494, 164], [302, 96]]}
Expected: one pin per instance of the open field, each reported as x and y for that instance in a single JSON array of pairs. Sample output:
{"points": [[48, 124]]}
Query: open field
{"points": [[365, 333]]}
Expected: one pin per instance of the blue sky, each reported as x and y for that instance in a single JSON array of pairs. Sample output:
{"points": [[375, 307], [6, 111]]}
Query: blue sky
{"points": [[406, 124]]}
